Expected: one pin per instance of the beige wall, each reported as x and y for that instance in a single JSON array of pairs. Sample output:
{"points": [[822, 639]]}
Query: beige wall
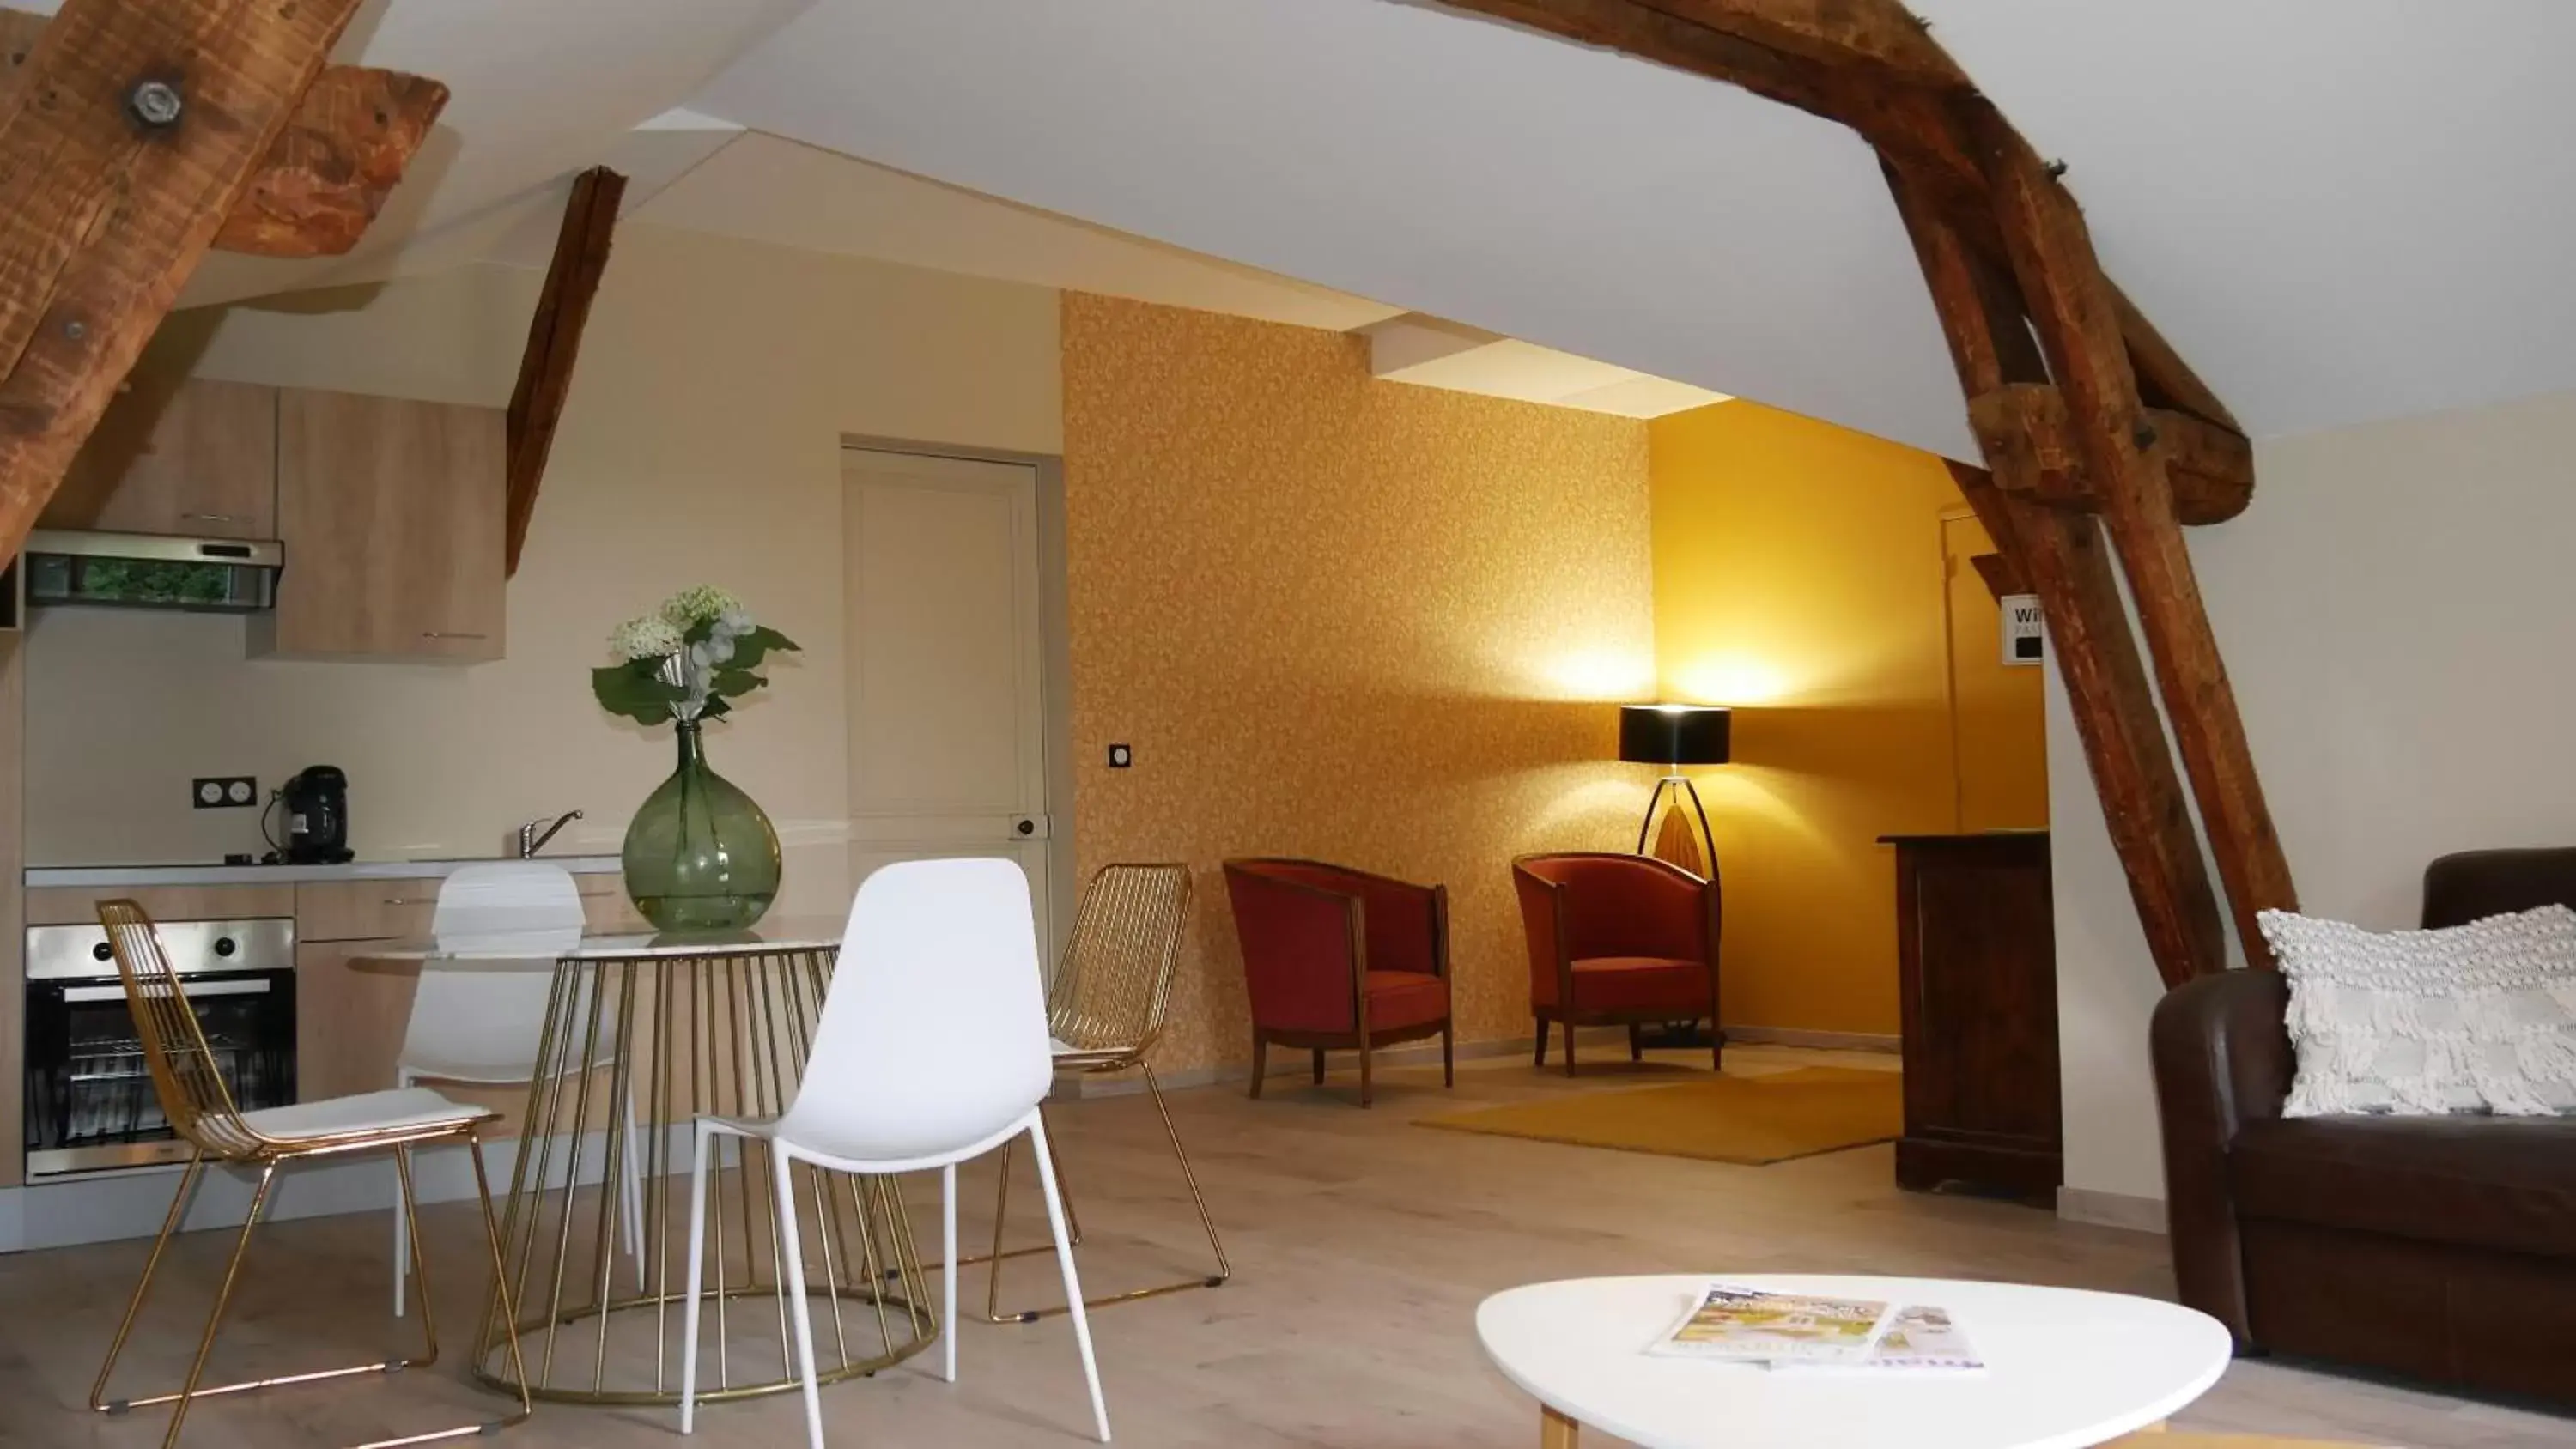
{"points": [[1336, 617], [2394, 610], [700, 444]]}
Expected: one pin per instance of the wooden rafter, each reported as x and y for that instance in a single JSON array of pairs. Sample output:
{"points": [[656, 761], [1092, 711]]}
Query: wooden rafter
{"points": [[2061, 553], [2212, 468], [554, 340], [127, 137], [328, 175], [2076, 318], [2096, 429]]}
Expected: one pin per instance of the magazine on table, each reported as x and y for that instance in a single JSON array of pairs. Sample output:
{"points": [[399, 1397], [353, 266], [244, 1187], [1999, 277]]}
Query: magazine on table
{"points": [[1731, 1324], [1799, 1331], [1919, 1338]]}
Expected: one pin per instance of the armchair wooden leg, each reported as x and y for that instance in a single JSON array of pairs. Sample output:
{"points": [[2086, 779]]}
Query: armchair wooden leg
{"points": [[1448, 1055], [1636, 1044], [1544, 1026], [1569, 1048], [1368, 1084], [1319, 1066], [1260, 1062], [1716, 1045]]}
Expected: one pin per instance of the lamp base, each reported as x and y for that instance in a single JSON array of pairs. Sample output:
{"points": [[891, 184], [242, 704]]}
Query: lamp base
{"points": [[1682, 790]]}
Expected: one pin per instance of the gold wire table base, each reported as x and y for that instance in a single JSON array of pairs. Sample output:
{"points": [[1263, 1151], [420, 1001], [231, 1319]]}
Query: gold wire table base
{"points": [[680, 1032]]}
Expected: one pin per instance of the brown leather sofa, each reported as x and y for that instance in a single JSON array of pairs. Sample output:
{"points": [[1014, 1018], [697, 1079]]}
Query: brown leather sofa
{"points": [[2438, 1248]]}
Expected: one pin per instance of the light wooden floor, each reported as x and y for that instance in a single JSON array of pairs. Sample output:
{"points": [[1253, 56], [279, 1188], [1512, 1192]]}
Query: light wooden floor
{"points": [[1361, 1244]]}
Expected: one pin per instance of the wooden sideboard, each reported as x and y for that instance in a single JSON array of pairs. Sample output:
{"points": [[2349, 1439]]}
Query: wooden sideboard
{"points": [[1977, 973]]}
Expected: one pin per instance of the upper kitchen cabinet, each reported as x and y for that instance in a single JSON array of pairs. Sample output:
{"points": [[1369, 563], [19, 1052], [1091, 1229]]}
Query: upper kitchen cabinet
{"points": [[190, 457], [391, 512]]}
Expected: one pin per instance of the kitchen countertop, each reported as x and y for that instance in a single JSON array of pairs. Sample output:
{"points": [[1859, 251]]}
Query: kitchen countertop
{"points": [[39, 877]]}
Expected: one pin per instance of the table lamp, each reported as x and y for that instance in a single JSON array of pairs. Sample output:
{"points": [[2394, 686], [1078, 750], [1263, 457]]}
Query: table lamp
{"points": [[1674, 735]]}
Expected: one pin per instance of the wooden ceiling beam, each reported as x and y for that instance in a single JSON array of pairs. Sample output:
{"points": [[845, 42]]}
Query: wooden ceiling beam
{"points": [[2061, 555], [1878, 37], [328, 175], [2212, 469], [2129, 462], [326, 178], [128, 135], [554, 342]]}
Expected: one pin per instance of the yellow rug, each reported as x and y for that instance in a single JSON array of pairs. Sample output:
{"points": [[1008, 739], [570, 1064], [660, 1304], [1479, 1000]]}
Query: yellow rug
{"points": [[1752, 1120]]}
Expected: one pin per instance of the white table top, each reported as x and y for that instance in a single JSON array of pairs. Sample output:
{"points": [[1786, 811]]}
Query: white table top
{"points": [[2065, 1369], [790, 933]]}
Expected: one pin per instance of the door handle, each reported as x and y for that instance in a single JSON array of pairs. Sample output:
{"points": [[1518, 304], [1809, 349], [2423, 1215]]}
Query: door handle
{"points": [[80, 994], [1026, 827], [450, 634]]}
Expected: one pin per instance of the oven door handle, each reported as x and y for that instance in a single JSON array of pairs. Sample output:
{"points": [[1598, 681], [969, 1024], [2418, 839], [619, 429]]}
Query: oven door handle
{"points": [[190, 989]]}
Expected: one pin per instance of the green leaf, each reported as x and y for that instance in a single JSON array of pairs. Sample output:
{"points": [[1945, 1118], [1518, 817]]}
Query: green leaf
{"points": [[716, 707], [732, 682], [760, 643], [636, 691]]}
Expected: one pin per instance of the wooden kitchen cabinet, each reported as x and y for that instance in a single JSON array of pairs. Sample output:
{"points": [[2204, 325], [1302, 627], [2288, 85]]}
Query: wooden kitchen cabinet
{"points": [[364, 910], [78, 905], [191, 457], [349, 1019], [391, 511]]}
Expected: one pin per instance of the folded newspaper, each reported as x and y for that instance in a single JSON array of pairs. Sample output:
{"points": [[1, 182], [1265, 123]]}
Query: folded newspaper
{"points": [[1732, 1324]]}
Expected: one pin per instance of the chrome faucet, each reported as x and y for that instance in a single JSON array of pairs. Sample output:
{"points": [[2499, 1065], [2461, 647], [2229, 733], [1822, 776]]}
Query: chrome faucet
{"points": [[534, 835]]}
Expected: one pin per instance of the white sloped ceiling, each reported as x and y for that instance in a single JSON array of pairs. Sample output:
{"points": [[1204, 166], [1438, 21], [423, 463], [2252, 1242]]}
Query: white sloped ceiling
{"points": [[2338, 209]]}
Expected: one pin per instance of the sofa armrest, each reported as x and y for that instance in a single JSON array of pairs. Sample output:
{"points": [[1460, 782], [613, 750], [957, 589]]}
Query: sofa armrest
{"points": [[2222, 1059]]}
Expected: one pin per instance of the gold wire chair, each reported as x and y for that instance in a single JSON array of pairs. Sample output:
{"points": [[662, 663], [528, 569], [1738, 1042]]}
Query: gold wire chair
{"points": [[1105, 1011], [189, 1081]]}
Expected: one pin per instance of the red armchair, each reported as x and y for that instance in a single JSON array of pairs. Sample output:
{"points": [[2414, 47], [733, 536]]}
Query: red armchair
{"points": [[1618, 939], [1336, 959]]}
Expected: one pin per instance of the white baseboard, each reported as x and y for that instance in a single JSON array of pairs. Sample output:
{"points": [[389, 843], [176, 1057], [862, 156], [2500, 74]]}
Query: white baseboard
{"points": [[1840, 1041], [2111, 1209], [108, 1206]]}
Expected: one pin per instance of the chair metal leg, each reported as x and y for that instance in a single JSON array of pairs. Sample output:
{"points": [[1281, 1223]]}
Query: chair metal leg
{"points": [[631, 1185], [194, 1389], [1072, 1278], [215, 1316], [948, 1270], [508, 1309], [791, 1248], [402, 1224], [700, 1143], [116, 1346]]}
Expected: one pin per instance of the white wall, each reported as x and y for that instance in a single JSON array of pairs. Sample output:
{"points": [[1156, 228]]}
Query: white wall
{"points": [[2395, 611], [700, 443]]}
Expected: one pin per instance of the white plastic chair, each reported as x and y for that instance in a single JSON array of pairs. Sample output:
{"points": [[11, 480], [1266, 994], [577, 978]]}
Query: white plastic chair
{"points": [[479, 1023], [931, 1050]]}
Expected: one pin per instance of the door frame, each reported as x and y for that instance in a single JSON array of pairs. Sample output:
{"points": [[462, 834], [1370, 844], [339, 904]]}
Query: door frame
{"points": [[1055, 657]]}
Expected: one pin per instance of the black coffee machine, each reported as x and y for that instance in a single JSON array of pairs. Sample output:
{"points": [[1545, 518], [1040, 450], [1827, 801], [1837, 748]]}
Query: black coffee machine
{"points": [[316, 802]]}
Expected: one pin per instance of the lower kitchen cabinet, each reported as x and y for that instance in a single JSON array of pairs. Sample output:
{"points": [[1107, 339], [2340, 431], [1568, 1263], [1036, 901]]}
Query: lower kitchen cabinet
{"points": [[349, 1020]]}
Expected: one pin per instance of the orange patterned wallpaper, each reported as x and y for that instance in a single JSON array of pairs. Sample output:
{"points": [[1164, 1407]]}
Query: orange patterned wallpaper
{"points": [[1356, 620]]}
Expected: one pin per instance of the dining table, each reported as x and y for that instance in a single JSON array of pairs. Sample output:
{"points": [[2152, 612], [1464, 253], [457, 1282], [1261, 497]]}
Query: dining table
{"points": [[673, 1026]]}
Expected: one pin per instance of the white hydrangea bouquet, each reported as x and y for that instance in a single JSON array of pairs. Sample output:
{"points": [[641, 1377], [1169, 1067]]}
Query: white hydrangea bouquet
{"points": [[687, 660]]}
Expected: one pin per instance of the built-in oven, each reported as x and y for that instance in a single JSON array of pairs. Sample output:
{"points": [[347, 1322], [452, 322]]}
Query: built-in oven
{"points": [[90, 1102]]}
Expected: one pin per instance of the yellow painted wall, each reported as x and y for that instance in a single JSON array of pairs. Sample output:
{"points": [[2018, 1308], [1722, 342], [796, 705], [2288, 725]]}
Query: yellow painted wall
{"points": [[1337, 617], [1799, 577]]}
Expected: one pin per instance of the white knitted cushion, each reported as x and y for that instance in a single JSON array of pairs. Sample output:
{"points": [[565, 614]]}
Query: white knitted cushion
{"points": [[2474, 1018]]}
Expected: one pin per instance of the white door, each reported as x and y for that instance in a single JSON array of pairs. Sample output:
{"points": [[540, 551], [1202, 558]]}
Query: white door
{"points": [[946, 676]]}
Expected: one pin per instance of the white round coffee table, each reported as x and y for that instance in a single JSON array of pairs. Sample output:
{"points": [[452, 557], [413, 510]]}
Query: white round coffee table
{"points": [[2065, 1369]]}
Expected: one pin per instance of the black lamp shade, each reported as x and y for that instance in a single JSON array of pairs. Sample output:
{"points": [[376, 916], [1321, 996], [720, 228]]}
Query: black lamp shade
{"points": [[1673, 734]]}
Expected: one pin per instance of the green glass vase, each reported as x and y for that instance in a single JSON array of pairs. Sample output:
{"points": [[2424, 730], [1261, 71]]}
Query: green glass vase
{"points": [[700, 856]]}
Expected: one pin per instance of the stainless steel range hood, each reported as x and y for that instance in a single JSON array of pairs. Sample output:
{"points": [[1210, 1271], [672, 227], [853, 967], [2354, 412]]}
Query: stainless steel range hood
{"points": [[152, 571]]}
